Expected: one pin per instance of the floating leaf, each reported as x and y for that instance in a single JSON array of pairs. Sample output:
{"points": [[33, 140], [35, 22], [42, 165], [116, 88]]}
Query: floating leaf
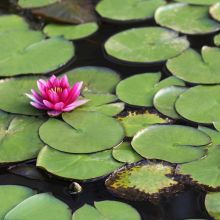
{"points": [[191, 106], [77, 166], [149, 45], [201, 69], [173, 143], [140, 89], [135, 122], [199, 2], [143, 180], [122, 10], [40, 206], [71, 32], [212, 204], [125, 153], [217, 40], [83, 132], [12, 195], [164, 100], [215, 11], [186, 19], [35, 3], [19, 138]]}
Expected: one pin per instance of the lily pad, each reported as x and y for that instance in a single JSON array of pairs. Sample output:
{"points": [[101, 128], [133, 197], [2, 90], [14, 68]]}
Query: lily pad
{"points": [[95, 79], [217, 40], [149, 45], [122, 10], [20, 133], [40, 206], [200, 69], [140, 89], [191, 106], [186, 18], [135, 122], [199, 2], [215, 11], [83, 132], [35, 3], [212, 204], [164, 100], [12, 195], [71, 32], [107, 210], [143, 180], [77, 166], [125, 153], [172, 143]]}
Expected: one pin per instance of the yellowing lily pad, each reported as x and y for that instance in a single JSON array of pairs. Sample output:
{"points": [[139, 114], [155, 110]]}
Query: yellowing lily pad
{"points": [[215, 11], [199, 2], [212, 204]]}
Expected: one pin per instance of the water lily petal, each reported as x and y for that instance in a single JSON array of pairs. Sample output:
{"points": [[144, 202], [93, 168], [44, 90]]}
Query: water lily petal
{"points": [[64, 82], [39, 106], [37, 95], [75, 104], [48, 104], [53, 96], [59, 106], [54, 113], [64, 95], [74, 93]]}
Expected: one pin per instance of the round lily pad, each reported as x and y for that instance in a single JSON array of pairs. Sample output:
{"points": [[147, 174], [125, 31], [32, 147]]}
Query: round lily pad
{"points": [[107, 210], [173, 143], [12, 195], [212, 204], [191, 106], [201, 69], [71, 32], [77, 166], [217, 40], [140, 89], [199, 2], [143, 180], [135, 122], [125, 153], [215, 11], [204, 172], [164, 100], [95, 79], [186, 18], [82, 132], [35, 3], [20, 133], [149, 45], [40, 206], [122, 10]]}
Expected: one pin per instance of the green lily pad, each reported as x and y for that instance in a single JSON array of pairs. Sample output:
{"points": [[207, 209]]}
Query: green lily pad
{"points": [[217, 40], [215, 11], [77, 166], [204, 172], [201, 69], [122, 10], [191, 106], [71, 32], [35, 3], [172, 143], [83, 132], [135, 122], [142, 181], [107, 210], [125, 153], [199, 2], [95, 79], [20, 133], [40, 206], [145, 45], [12, 195], [212, 204], [164, 100], [140, 89], [186, 18]]}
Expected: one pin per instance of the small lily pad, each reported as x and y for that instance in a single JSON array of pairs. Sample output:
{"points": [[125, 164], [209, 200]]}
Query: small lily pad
{"points": [[35, 3], [107, 210], [140, 89], [125, 153], [200, 69], [40, 206], [71, 32], [186, 18], [77, 166], [215, 11], [143, 180], [172, 143], [199, 2], [149, 45], [191, 106], [135, 122], [164, 100], [212, 204], [82, 132], [217, 40], [122, 10], [11, 196], [20, 133]]}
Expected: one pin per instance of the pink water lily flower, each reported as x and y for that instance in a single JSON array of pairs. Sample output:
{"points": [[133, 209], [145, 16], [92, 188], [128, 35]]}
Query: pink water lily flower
{"points": [[56, 95]]}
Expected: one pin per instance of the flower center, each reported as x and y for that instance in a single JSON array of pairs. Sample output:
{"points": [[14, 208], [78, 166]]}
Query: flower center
{"points": [[57, 89]]}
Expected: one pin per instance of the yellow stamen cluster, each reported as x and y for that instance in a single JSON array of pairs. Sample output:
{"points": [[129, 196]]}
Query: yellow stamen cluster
{"points": [[56, 89]]}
